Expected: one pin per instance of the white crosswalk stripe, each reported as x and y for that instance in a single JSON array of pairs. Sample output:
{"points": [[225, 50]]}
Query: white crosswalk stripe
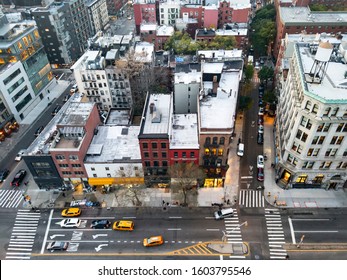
{"points": [[233, 229], [251, 198], [275, 234], [23, 235], [10, 198]]}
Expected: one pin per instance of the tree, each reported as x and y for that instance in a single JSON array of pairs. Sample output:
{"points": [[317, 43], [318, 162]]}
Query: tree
{"points": [[265, 74], [130, 192], [263, 29], [249, 72], [185, 178]]}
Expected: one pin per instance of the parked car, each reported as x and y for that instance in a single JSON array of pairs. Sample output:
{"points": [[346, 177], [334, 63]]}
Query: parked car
{"points": [[57, 246], [261, 103], [261, 111], [260, 161], [260, 174], [56, 110], [100, 224], [18, 178], [20, 154], [71, 212], [3, 174], [66, 97], [70, 223], [153, 241], [260, 138], [39, 130], [260, 129], [130, 17], [260, 120]]}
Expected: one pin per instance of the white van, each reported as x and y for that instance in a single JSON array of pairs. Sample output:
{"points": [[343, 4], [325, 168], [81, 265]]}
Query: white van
{"points": [[224, 213], [240, 149]]}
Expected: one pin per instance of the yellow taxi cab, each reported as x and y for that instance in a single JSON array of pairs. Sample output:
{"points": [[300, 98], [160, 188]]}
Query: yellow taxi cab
{"points": [[123, 225], [153, 241], [71, 212]]}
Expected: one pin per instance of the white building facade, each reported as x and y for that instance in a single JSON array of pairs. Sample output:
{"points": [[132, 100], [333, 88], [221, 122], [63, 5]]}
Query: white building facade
{"points": [[169, 11], [311, 122]]}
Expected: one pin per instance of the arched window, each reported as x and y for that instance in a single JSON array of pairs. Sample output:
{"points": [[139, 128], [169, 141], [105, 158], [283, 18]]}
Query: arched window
{"points": [[308, 105], [315, 109]]}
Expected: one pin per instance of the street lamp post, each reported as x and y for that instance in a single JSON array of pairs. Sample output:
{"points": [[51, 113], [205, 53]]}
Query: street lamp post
{"points": [[301, 241]]}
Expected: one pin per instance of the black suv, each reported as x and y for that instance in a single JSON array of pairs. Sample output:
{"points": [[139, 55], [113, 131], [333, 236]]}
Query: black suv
{"points": [[100, 224], [260, 138], [3, 174], [18, 178]]}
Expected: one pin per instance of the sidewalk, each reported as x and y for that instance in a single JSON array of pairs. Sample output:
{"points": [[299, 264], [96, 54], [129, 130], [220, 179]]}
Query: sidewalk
{"points": [[154, 197], [294, 198]]}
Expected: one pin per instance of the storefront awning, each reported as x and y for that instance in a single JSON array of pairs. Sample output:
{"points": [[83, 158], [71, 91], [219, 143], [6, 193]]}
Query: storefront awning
{"points": [[112, 181]]}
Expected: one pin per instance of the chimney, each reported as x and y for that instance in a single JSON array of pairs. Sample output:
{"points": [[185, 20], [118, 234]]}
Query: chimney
{"points": [[151, 108]]}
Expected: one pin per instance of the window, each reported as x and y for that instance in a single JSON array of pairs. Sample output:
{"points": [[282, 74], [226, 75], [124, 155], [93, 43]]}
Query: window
{"points": [[176, 154], [60, 157], [318, 179], [63, 165], [164, 155], [333, 140], [165, 163], [147, 163], [308, 105], [207, 152], [315, 152], [121, 168], [184, 154], [163, 145], [207, 141], [327, 152], [154, 145], [339, 127], [315, 140], [301, 179], [92, 168], [326, 112], [145, 145], [339, 140], [326, 127], [73, 157], [320, 127], [315, 109], [146, 154], [79, 172], [155, 155], [334, 112], [222, 141], [156, 163], [75, 165], [308, 165], [321, 140], [108, 175], [107, 168], [192, 154], [220, 152]]}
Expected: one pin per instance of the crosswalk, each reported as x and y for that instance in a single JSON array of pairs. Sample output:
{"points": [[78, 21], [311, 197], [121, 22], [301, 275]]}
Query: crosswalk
{"points": [[251, 198], [23, 235], [275, 234], [10, 198], [233, 232]]}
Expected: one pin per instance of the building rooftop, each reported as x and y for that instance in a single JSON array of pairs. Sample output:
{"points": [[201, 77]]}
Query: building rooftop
{"points": [[76, 113], [43, 143], [144, 52], [333, 88], [297, 15], [165, 30], [114, 144], [187, 78], [12, 32], [157, 119], [118, 117], [232, 32], [148, 27], [92, 60], [234, 54], [184, 132], [219, 112]]}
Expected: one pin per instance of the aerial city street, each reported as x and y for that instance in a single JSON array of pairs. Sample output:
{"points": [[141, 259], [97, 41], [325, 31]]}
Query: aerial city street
{"points": [[173, 130]]}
